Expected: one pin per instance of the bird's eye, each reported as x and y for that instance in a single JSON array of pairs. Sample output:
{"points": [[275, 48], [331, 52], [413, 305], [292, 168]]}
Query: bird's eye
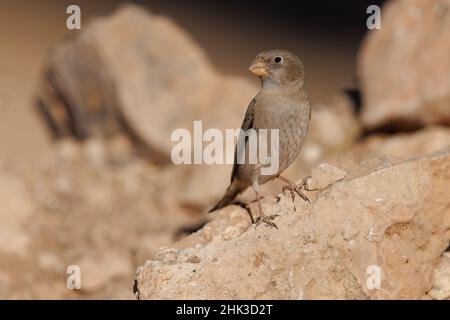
{"points": [[278, 59]]}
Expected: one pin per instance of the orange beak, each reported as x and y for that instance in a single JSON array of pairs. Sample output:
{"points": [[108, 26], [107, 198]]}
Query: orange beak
{"points": [[259, 68]]}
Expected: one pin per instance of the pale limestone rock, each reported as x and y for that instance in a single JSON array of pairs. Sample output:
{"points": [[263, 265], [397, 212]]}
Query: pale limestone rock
{"points": [[388, 216], [324, 175]]}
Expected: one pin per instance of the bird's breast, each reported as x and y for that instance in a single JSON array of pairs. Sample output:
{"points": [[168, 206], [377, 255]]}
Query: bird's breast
{"points": [[290, 119]]}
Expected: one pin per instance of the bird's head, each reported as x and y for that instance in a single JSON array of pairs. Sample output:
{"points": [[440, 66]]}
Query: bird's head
{"points": [[278, 67]]}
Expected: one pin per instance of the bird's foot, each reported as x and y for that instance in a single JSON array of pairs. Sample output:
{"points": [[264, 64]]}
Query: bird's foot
{"points": [[262, 217], [297, 189], [267, 220]]}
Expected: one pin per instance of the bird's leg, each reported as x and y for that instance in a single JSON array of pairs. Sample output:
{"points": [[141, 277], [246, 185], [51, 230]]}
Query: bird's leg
{"points": [[262, 217], [295, 188]]}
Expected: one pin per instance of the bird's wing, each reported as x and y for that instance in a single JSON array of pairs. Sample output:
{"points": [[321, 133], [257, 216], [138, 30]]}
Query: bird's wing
{"points": [[246, 124]]}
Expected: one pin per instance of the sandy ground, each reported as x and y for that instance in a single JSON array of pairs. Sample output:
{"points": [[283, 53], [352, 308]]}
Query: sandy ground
{"points": [[29, 29]]}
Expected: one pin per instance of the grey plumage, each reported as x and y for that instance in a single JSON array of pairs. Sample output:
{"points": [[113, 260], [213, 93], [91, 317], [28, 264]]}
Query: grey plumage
{"points": [[281, 104]]}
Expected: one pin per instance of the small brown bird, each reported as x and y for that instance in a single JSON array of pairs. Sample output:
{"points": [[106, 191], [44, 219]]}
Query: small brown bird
{"points": [[281, 104]]}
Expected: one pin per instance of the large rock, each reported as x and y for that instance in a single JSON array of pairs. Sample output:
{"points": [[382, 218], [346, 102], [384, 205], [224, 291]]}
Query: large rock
{"points": [[138, 72], [404, 67], [385, 218]]}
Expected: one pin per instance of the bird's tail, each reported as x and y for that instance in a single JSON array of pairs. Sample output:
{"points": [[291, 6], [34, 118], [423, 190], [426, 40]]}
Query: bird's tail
{"points": [[232, 191]]}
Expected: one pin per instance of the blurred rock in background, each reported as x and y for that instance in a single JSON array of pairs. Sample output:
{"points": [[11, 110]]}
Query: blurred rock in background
{"points": [[441, 283], [404, 67], [393, 216], [150, 69], [72, 207]]}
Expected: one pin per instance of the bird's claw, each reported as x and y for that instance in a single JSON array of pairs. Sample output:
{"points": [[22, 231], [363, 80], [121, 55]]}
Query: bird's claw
{"points": [[297, 189]]}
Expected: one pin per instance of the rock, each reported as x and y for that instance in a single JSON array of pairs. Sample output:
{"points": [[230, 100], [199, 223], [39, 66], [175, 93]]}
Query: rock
{"points": [[324, 175], [131, 69], [403, 68], [120, 149], [134, 68], [422, 142], [441, 284], [334, 129], [405, 145], [376, 234], [94, 152], [5, 284]]}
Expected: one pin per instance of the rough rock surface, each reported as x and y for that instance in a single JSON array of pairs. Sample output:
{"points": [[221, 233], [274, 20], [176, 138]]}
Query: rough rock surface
{"points": [[404, 67], [386, 216]]}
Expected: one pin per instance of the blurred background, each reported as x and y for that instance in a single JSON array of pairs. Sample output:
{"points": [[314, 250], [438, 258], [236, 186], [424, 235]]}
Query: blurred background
{"points": [[86, 117], [325, 34]]}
